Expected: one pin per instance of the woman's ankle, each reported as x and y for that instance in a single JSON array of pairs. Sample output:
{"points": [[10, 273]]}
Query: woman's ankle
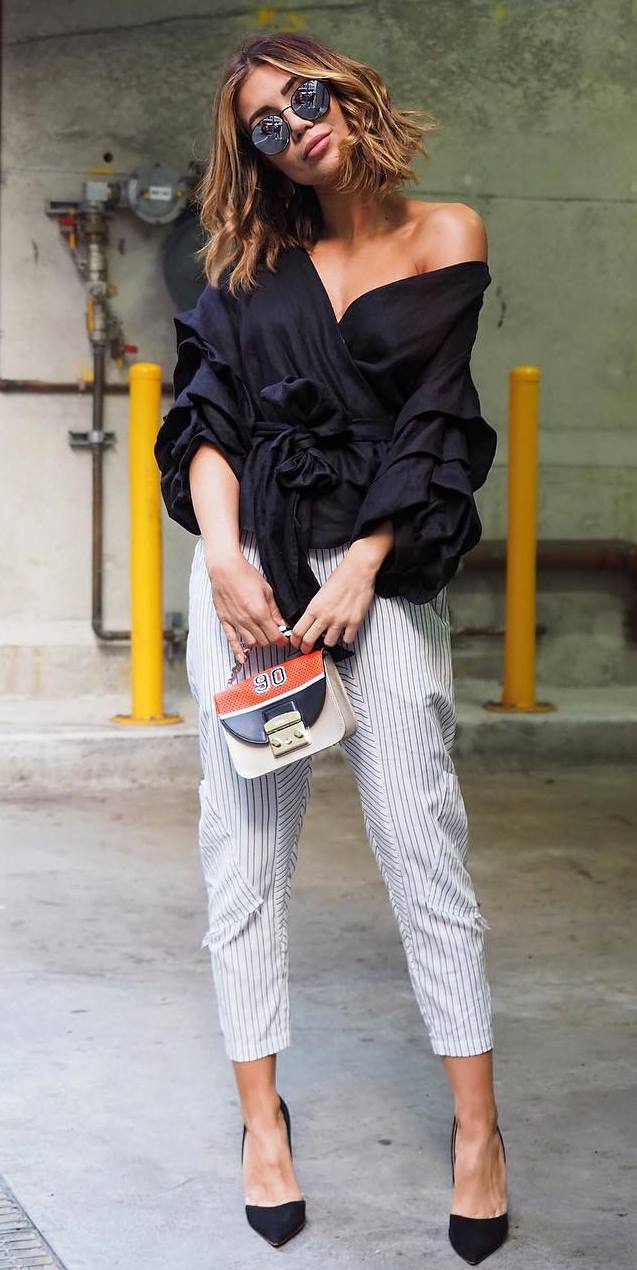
{"points": [[476, 1120], [263, 1113]]}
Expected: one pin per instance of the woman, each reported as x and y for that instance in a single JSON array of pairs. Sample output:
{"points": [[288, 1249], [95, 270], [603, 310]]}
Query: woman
{"points": [[324, 443]]}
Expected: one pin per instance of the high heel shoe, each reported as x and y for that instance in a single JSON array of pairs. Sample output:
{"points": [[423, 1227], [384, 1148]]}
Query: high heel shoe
{"points": [[276, 1222], [475, 1238]]}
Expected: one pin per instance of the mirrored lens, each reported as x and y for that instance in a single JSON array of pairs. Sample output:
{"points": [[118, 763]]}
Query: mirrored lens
{"points": [[271, 134], [310, 100]]}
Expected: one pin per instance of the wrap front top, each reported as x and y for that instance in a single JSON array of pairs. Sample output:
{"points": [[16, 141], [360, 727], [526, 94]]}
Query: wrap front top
{"points": [[330, 425]]}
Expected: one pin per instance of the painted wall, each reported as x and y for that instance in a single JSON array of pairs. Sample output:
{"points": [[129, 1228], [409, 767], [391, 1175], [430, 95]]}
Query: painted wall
{"points": [[536, 103]]}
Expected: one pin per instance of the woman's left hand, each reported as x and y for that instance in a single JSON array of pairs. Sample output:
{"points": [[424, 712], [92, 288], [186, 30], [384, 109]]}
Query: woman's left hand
{"points": [[338, 608]]}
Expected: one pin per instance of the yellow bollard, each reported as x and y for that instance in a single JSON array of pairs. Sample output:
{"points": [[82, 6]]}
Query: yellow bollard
{"points": [[518, 693], [147, 615]]}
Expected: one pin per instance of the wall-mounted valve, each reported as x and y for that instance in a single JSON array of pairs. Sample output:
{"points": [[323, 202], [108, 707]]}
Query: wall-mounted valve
{"points": [[156, 196]]}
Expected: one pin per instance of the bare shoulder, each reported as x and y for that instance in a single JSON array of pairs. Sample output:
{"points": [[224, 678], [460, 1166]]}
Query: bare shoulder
{"points": [[448, 233]]}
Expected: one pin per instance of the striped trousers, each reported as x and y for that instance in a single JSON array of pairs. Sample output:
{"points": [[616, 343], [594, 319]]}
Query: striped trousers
{"points": [[399, 680]]}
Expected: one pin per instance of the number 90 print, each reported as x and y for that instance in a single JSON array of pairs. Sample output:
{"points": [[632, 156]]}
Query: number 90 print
{"points": [[272, 678]]}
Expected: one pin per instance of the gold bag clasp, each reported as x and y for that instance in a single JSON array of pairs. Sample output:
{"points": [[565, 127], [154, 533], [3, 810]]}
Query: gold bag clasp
{"points": [[286, 732]]}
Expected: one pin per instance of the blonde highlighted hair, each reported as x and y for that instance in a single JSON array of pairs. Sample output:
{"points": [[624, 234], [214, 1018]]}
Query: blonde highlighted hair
{"points": [[249, 210]]}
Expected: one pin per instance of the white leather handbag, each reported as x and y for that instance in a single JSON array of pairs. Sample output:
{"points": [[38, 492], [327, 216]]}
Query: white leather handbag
{"points": [[278, 715]]}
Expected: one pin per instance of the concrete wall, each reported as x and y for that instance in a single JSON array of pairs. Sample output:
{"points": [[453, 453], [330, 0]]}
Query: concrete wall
{"points": [[535, 102]]}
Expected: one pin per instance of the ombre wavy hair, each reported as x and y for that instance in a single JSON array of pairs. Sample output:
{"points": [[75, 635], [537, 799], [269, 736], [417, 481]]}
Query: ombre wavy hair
{"points": [[248, 210]]}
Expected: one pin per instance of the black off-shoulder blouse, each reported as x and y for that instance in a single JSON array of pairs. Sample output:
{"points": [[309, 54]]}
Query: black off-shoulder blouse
{"points": [[331, 426]]}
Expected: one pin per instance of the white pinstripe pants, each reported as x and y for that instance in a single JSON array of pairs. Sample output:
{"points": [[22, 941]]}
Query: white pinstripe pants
{"points": [[399, 680]]}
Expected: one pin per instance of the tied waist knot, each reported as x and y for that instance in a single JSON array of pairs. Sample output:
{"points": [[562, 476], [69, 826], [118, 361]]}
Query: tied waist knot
{"points": [[304, 466], [310, 421], [289, 457]]}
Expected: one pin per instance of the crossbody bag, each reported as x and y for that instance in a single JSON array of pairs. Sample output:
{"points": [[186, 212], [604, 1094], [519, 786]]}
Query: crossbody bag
{"points": [[276, 716]]}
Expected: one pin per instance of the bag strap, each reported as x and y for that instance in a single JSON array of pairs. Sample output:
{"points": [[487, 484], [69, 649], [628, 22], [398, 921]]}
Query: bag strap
{"points": [[284, 629]]}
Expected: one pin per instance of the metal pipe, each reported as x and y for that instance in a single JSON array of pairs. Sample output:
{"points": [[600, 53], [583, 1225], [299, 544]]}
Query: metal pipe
{"points": [[80, 386], [576, 555], [97, 439], [569, 555]]}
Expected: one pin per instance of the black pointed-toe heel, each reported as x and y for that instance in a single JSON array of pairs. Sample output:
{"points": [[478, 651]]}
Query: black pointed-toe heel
{"points": [[475, 1238], [276, 1222]]}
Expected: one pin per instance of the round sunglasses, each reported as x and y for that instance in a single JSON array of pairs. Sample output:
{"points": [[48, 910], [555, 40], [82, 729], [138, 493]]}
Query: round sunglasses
{"points": [[311, 100]]}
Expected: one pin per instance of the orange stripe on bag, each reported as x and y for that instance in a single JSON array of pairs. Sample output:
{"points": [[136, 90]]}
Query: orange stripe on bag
{"points": [[296, 672]]}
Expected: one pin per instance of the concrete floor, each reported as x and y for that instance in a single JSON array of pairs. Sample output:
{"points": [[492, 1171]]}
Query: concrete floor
{"points": [[121, 1127]]}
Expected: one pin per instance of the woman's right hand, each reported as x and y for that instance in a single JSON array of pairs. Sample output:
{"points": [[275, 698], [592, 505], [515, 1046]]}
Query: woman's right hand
{"points": [[245, 604]]}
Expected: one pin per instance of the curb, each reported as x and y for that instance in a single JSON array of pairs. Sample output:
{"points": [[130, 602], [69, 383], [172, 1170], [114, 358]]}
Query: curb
{"points": [[39, 747]]}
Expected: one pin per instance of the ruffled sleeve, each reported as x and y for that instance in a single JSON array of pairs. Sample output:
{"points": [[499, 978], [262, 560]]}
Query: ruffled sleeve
{"points": [[211, 403], [440, 453]]}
